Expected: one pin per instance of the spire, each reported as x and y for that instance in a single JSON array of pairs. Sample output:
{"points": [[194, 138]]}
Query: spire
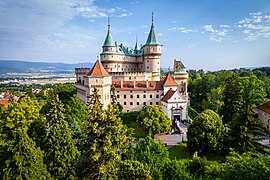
{"points": [[136, 47], [109, 40], [152, 39]]}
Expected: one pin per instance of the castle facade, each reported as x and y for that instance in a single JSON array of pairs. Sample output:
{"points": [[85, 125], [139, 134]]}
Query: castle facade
{"points": [[135, 75]]}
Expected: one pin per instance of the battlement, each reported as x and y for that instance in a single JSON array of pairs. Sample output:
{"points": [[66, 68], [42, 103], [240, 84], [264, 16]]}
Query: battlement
{"points": [[82, 70]]}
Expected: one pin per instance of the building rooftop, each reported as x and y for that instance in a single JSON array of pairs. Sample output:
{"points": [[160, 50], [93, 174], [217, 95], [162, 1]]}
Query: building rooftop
{"points": [[265, 107], [98, 70], [168, 95], [169, 81], [152, 39]]}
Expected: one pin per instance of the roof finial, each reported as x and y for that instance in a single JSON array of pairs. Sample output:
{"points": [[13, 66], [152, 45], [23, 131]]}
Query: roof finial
{"points": [[152, 19], [109, 22], [97, 56]]}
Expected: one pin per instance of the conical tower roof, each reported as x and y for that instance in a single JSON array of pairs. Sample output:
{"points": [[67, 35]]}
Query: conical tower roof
{"points": [[109, 40], [152, 39], [98, 70], [136, 46], [169, 81]]}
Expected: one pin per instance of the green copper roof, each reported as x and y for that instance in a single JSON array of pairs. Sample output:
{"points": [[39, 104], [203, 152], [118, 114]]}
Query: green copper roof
{"points": [[109, 40], [136, 47], [152, 39]]}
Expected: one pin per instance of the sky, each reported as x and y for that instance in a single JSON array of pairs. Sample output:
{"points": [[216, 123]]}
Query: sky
{"points": [[204, 34]]}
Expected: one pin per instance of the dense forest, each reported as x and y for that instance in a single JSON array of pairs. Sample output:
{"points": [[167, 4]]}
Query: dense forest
{"points": [[56, 136]]}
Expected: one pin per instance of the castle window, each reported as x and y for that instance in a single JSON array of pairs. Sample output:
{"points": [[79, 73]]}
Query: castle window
{"points": [[131, 96], [157, 90], [138, 103], [156, 103], [151, 103], [82, 82], [144, 96], [131, 91], [147, 60], [131, 103], [125, 96], [96, 80], [158, 63], [150, 95], [118, 96], [117, 91], [147, 67], [144, 103], [125, 103], [144, 91], [157, 96], [138, 96]]}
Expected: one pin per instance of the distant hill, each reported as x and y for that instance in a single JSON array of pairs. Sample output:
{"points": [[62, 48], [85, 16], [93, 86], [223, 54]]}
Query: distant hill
{"points": [[15, 66]]}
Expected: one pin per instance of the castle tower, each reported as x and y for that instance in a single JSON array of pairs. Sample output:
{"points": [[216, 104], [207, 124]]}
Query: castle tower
{"points": [[99, 78], [108, 56], [180, 76], [152, 53]]}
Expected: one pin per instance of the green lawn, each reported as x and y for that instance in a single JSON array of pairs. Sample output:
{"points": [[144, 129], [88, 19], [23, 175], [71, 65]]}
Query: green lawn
{"points": [[180, 151], [139, 132]]}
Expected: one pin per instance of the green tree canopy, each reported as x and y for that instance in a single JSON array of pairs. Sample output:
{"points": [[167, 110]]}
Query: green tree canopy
{"points": [[106, 141], [60, 150], [245, 127], [205, 132], [153, 155], [153, 120], [19, 155]]}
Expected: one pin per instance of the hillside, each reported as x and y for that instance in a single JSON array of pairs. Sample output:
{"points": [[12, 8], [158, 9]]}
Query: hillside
{"points": [[15, 66]]}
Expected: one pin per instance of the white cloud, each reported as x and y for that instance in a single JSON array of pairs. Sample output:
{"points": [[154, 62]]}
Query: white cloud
{"points": [[256, 26], [182, 29], [214, 34], [224, 26]]}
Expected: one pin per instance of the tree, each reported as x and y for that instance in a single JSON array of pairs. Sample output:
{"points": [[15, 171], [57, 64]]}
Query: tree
{"points": [[153, 120], [60, 149], [176, 169], [214, 100], [106, 141], [153, 155], [205, 132], [130, 169], [19, 155], [76, 113], [232, 99], [245, 128], [246, 166]]}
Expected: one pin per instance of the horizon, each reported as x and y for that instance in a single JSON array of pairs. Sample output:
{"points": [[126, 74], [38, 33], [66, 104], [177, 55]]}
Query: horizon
{"points": [[205, 35]]}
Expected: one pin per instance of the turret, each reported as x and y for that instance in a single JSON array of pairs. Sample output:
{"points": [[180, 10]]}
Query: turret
{"points": [[108, 56], [109, 44], [152, 53], [180, 76]]}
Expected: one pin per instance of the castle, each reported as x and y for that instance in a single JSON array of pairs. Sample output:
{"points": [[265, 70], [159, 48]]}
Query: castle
{"points": [[135, 75]]}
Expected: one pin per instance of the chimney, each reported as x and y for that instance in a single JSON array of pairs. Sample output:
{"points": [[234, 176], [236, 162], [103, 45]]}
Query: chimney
{"points": [[134, 83], [147, 83], [121, 83]]}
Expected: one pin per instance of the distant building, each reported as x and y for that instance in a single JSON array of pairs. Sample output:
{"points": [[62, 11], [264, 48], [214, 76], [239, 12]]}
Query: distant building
{"points": [[135, 75], [263, 112]]}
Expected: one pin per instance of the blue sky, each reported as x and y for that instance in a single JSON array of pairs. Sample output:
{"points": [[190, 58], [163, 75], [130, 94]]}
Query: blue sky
{"points": [[206, 34]]}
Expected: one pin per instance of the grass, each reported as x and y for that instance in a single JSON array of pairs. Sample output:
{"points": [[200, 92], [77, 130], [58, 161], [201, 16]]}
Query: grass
{"points": [[139, 132], [180, 151]]}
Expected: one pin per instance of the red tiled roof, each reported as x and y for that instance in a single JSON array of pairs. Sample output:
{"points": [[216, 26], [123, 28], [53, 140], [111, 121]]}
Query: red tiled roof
{"points": [[139, 85], [168, 95], [265, 107], [169, 81], [4, 102], [98, 70]]}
